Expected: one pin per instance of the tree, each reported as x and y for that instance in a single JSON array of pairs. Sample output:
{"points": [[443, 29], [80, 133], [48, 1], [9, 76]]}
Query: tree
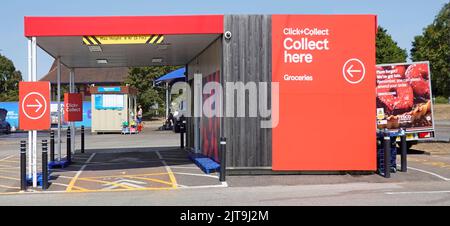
{"points": [[434, 45], [9, 80], [142, 78], [387, 50]]}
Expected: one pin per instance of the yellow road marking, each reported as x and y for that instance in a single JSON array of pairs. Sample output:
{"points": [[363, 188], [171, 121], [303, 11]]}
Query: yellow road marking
{"points": [[169, 171], [8, 157], [117, 163], [11, 178], [8, 166], [172, 178], [122, 175], [106, 182], [8, 171], [12, 193], [150, 179], [65, 185], [133, 189], [10, 161], [4, 186], [74, 179]]}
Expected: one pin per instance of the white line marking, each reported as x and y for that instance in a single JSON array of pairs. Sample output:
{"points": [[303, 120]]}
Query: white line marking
{"points": [[431, 173], [205, 186], [184, 167], [75, 178], [196, 174], [8, 157], [415, 192], [64, 185]]}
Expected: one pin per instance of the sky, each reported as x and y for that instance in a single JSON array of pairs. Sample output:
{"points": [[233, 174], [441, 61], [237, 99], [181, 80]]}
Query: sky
{"points": [[403, 19]]}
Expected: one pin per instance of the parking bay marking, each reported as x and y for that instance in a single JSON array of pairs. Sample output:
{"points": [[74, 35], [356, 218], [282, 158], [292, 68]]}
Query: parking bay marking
{"points": [[74, 179], [171, 176], [415, 192], [8, 157], [10, 178], [126, 182], [9, 187], [151, 179], [431, 173]]}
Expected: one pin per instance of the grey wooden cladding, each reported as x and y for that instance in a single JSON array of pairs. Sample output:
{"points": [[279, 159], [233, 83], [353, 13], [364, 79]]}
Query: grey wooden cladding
{"points": [[247, 57]]}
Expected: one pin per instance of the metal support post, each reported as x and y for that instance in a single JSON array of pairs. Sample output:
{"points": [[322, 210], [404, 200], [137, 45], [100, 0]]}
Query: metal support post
{"points": [[52, 146], [404, 150], [82, 139], [387, 154], [44, 165], [23, 165], [222, 156]]}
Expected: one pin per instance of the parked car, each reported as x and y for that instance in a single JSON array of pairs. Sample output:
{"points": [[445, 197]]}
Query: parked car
{"points": [[5, 127]]}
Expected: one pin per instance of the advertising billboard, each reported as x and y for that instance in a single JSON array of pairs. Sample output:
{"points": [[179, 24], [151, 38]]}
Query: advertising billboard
{"points": [[404, 97], [73, 107], [324, 67]]}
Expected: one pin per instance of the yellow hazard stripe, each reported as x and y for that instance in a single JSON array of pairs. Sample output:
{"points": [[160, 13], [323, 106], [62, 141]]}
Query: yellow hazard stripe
{"points": [[161, 38], [153, 39], [91, 40], [120, 40]]}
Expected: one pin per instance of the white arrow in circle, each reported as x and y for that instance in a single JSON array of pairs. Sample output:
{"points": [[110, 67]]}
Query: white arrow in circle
{"points": [[38, 106], [350, 71]]}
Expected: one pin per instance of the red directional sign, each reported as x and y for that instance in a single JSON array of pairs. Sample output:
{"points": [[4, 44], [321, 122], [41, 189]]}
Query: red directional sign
{"points": [[354, 71], [34, 105]]}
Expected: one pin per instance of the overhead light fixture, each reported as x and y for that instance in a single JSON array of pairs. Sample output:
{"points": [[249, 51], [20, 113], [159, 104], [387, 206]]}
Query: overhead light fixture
{"points": [[163, 46], [102, 61], [157, 60], [95, 48]]}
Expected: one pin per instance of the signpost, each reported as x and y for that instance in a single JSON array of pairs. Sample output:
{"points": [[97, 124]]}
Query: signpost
{"points": [[73, 107], [34, 114]]}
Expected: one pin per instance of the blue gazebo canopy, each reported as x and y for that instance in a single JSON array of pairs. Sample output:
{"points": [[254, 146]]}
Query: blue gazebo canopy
{"points": [[179, 73]]}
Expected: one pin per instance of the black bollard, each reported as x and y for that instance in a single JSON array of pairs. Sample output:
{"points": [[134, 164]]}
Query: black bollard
{"points": [[23, 165], [222, 156], [69, 152], [182, 136], [44, 165], [82, 139], [387, 155], [404, 150], [52, 146]]}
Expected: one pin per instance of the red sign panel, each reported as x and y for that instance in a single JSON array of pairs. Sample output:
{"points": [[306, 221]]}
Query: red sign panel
{"points": [[73, 107], [404, 97], [324, 67], [34, 105], [123, 25]]}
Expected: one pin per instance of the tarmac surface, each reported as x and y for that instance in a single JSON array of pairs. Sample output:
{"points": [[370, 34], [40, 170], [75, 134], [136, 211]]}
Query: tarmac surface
{"points": [[150, 169]]}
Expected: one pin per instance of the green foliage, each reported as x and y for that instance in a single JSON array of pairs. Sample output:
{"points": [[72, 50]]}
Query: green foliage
{"points": [[387, 50], [434, 45], [441, 100], [142, 79], [9, 80]]}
